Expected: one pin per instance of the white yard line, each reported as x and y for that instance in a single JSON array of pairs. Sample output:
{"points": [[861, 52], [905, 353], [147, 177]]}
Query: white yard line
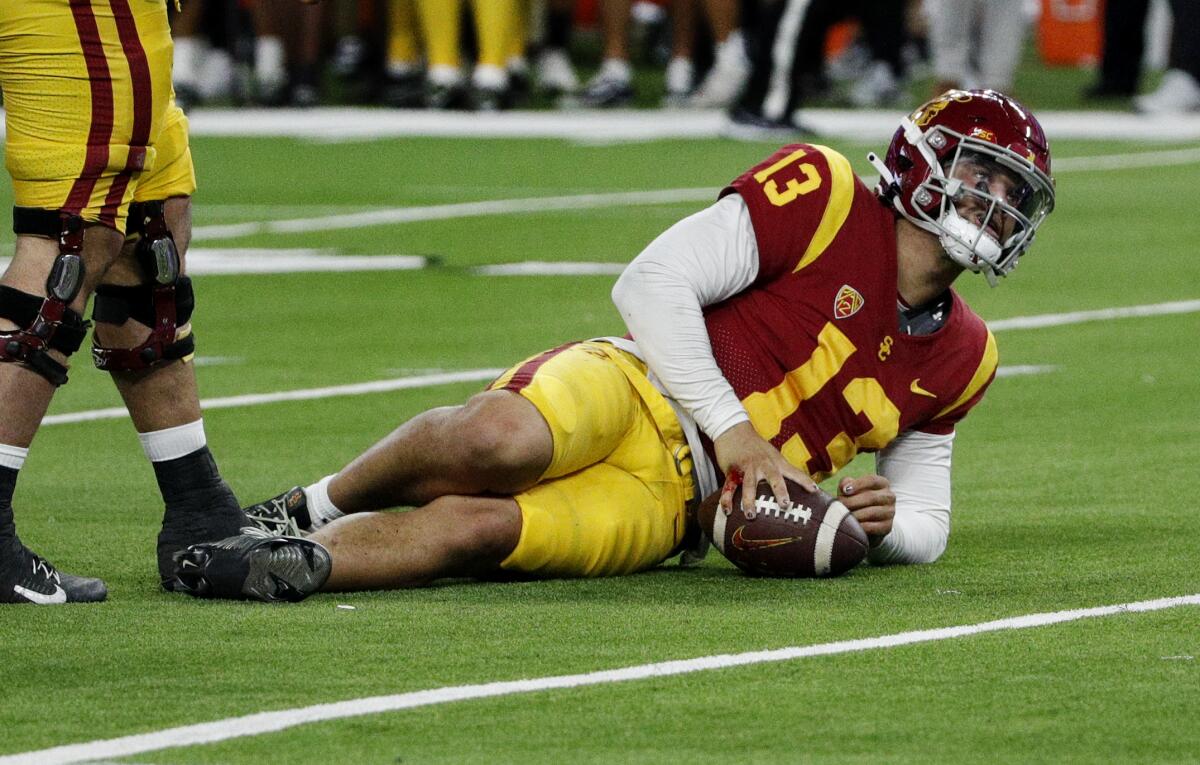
{"points": [[1103, 314], [349, 124], [213, 261], [478, 375], [270, 722], [1023, 370], [394, 215], [551, 268], [1128, 161], [305, 394], [398, 215], [415, 214]]}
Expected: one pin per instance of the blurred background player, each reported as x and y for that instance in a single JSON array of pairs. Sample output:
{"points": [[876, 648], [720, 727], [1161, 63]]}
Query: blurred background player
{"points": [[612, 85], [1179, 91], [788, 44], [209, 38], [730, 68], [403, 62], [554, 71], [975, 43], [102, 181], [1124, 47], [500, 27]]}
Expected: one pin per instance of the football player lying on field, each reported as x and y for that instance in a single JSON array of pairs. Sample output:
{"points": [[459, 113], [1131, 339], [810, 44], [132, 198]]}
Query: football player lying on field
{"points": [[800, 319]]}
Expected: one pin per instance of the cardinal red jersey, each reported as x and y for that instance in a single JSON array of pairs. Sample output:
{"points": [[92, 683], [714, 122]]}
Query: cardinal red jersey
{"points": [[813, 348]]}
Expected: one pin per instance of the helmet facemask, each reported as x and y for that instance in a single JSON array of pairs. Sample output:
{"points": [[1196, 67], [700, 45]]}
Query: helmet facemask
{"points": [[979, 230]]}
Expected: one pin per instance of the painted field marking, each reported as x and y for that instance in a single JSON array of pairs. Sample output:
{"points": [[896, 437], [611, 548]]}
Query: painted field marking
{"points": [[482, 375], [394, 215], [626, 125], [304, 394], [226, 261], [1163, 158], [397, 215], [1023, 370], [1102, 314], [550, 268], [204, 261], [270, 722]]}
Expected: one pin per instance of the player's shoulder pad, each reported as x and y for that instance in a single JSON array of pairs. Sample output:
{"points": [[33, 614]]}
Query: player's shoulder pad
{"points": [[980, 349], [799, 198]]}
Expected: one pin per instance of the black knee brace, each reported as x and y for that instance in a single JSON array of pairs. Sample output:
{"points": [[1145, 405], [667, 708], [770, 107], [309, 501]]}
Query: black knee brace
{"points": [[46, 323], [163, 304]]}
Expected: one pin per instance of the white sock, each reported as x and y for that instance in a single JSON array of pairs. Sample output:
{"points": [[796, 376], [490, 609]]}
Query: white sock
{"points": [[321, 509], [269, 62], [188, 56], [734, 45], [402, 68], [616, 69], [173, 443], [444, 75], [489, 77], [12, 457]]}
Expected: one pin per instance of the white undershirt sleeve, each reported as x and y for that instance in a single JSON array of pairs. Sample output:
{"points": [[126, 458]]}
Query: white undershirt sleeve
{"points": [[918, 467], [701, 260]]}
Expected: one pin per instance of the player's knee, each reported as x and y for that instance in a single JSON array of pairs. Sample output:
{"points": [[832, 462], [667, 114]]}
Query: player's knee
{"points": [[147, 324], [40, 331], [504, 438]]}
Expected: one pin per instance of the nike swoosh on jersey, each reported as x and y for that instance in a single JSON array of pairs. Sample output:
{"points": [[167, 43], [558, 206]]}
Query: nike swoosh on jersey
{"points": [[741, 543], [42, 599], [915, 387]]}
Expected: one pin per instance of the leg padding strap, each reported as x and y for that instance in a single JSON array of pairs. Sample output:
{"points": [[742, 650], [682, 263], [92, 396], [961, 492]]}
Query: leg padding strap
{"points": [[164, 303], [46, 323], [161, 308], [43, 323], [38, 222], [116, 305]]}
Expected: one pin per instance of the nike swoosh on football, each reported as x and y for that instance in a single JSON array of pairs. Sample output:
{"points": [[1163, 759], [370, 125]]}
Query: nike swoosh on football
{"points": [[916, 388], [42, 599], [741, 543]]}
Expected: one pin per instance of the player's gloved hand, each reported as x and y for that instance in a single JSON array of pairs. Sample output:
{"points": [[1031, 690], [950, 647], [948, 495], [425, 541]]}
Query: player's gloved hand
{"points": [[742, 453], [870, 500]]}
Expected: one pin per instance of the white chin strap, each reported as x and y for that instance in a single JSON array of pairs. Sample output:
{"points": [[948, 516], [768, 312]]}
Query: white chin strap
{"points": [[968, 245]]}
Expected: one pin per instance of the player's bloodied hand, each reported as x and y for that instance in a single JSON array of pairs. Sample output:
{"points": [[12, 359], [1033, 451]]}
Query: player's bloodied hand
{"points": [[741, 451]]}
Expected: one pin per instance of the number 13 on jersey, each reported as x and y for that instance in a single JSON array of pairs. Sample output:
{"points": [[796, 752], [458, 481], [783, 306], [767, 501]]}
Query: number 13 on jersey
{"points": [[792, 187]]}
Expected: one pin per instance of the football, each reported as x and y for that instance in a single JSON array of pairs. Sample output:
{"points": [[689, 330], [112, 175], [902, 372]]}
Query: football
{"points": [[816, 537]]}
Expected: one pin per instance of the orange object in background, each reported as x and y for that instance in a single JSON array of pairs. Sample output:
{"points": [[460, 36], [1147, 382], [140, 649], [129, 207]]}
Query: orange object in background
{"points": [[839, 37], [1071, 32]]}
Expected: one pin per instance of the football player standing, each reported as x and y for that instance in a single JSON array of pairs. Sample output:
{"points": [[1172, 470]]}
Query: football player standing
{"points": [[102, 178], [799, 320]]}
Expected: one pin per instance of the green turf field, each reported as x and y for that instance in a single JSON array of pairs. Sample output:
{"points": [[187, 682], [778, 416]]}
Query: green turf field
{"points": [[1073, 489]]}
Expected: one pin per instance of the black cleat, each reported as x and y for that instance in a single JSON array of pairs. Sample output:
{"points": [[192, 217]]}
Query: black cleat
{"points": [[198, 507], [748, 125], [29, 578], [221, 518], [285, 515], [605, 92], [252, 566]]}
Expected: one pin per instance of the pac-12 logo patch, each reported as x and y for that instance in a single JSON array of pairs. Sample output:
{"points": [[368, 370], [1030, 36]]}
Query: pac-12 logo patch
{"points": [[847, 303]]}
